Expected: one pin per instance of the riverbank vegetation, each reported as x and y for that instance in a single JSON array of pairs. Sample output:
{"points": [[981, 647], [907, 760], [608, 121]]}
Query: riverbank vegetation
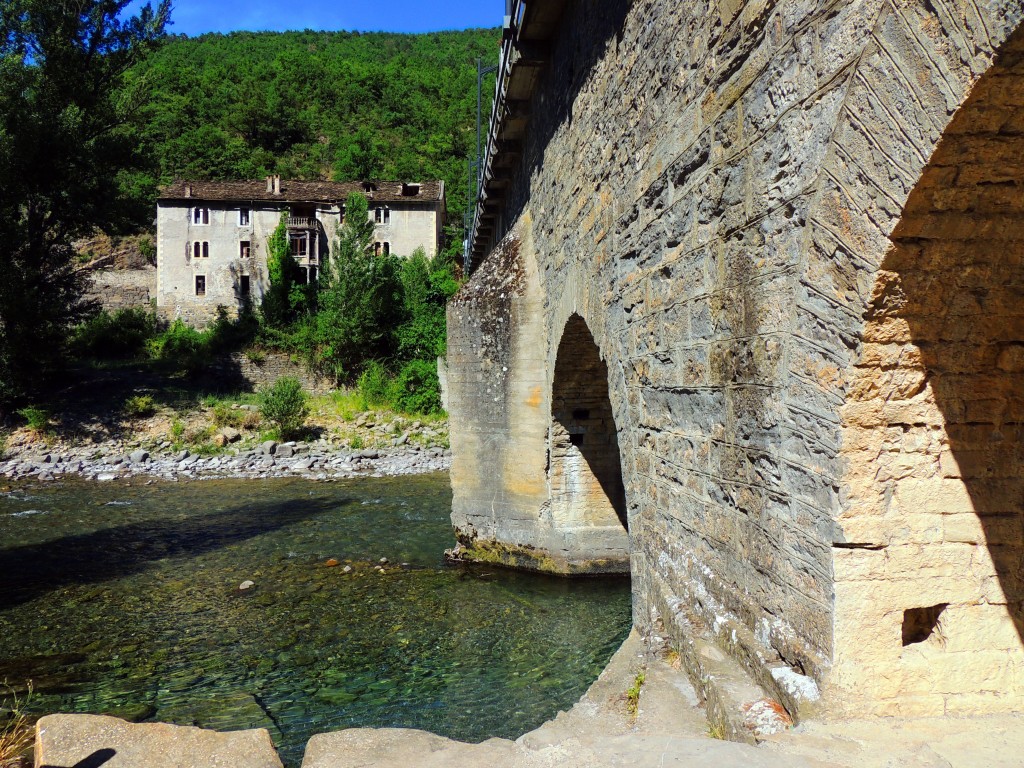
{"points": [[100, 110]]}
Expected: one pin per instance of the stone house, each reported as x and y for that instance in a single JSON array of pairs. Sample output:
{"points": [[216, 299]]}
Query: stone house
{"points": [[212, 235]]}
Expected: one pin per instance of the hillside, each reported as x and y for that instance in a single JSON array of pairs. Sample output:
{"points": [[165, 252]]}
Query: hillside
{"points": [[310, 105]]}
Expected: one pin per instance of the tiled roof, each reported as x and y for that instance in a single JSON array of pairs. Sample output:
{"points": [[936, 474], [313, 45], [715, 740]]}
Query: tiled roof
{"points": [[255, 190]]}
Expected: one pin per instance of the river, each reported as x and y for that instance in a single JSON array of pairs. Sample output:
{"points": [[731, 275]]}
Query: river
{"points": [[123, 598]]}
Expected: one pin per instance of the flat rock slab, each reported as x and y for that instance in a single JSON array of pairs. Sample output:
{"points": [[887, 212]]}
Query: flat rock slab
{"points": [[73, 741]]}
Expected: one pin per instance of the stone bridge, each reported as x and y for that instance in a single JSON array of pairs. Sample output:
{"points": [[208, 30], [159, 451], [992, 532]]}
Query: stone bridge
{"points": [[747, 321]]}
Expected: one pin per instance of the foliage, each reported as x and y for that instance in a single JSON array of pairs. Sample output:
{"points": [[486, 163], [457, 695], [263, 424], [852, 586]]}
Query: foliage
{"points": [[427, 285], [148, 250], [281, 269], [140, 406], [375, 385], [119, 336], [360, 300], [285, 404], [16, 729], [37, 419], [65, 100], [633, 693], [177, 430], [311, 105], [183, 348], [416, 389], [3, 446]]}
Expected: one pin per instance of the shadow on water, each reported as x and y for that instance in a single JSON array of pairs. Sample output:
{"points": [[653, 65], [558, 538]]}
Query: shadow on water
{"points": [[30, 571]]}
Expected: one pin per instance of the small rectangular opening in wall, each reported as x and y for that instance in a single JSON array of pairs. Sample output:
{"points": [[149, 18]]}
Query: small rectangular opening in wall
{"points": [[200, 285], [919, 624], [244, 248], [244, 286], [581, 414], [576, 439]]}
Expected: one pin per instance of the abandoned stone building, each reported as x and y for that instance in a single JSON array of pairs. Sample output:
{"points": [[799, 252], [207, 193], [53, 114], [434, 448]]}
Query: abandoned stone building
{"points": [[212, 235], [747, 322]]}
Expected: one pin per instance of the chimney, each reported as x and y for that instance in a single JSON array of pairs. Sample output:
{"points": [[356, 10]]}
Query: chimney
{"points": [[277, 185], [270, 185]]}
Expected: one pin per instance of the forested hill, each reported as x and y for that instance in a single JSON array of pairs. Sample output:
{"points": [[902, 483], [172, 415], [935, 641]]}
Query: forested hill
{"points": [[310, 105]]}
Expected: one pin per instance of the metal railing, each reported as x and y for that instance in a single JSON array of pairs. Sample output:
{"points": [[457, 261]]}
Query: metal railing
{"points": [[513, 19]]}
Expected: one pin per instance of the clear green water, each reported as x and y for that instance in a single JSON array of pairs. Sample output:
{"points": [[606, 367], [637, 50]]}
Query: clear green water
{"points": [[124, 600]]}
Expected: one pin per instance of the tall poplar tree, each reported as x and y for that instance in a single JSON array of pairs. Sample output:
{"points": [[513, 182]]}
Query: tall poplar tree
{"points": [[62, 144]]}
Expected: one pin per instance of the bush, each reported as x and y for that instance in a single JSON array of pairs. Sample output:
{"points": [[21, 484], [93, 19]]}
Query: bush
{"points": [[284, 404], [180, 346], [119, 336], [38, 420], [375, 385], [416, 389], [140, 406]]}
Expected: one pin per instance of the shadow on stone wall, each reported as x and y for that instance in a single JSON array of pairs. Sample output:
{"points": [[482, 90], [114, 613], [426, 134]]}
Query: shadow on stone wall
{"points": [[956, 277]]}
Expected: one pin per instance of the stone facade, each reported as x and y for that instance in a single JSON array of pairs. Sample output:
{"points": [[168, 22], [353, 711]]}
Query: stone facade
{"points": [[788, 232], [212, 236]]}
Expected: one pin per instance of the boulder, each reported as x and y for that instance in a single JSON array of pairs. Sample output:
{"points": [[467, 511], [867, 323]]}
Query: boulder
{"points": [[65, 740], [220, 440], [285, 451], [231, 434], [268, 448], [139, 456]]}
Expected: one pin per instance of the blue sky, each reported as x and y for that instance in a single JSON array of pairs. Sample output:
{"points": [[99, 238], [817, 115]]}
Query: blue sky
{"points": [[194, 17]]}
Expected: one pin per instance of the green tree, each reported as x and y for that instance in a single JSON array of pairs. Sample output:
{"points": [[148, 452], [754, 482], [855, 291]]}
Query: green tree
{"points": [[360, 300], [64, 103], [281, 269]]}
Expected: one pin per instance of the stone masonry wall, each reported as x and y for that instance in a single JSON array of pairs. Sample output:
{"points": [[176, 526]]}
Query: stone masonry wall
{"points": [[120, 289], [711, 187]]}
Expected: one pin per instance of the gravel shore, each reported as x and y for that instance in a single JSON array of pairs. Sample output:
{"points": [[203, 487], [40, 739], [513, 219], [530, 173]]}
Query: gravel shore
{"points": [[317, 460]]}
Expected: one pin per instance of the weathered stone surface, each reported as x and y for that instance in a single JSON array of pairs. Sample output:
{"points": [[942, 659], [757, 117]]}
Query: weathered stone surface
{"points": [[70, 740], [793, 233]]}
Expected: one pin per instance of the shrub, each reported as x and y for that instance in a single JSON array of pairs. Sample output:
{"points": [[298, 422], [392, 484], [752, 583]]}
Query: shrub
{"points": [[416, 389], [180, 346], [148, 250], [119, 336], [140, 406], [256, 356], [177, 430], [225, 416], [3, 446], [284, 404], [38, 420], [374, 385]]}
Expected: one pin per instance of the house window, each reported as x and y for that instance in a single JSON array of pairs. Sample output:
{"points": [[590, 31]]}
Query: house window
{"points": [[382, 215], [243, 217], [200, 250], [299, 247], [376, 249], [244, 248], [387, 249], [200, 215], [200, 285], [243, 286]]}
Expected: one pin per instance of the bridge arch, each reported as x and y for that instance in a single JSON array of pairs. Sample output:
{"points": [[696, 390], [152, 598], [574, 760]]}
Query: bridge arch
{"points": [[929, 559], [584, 464]]}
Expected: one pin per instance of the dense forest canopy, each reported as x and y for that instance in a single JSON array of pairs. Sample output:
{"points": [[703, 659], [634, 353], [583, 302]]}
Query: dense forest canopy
{"points": [[310, 105]]}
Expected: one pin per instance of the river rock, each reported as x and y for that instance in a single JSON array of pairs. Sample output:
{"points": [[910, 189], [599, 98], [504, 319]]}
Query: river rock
{"points": [[246, 585], [268, 448], [285, 451], [231, 434], [139, 456], [181, 456], [66, 740]]}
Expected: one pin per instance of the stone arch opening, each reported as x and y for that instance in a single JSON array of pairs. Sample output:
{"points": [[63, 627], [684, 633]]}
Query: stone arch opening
{"points": [[584, 466], [930, 571]]}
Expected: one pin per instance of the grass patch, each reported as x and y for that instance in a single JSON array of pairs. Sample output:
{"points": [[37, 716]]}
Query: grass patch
{"points": [[17, 731], [633, 693]]}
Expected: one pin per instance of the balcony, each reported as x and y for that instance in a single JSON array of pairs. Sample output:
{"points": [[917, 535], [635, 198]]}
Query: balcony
{"points": [[303, 222]]}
